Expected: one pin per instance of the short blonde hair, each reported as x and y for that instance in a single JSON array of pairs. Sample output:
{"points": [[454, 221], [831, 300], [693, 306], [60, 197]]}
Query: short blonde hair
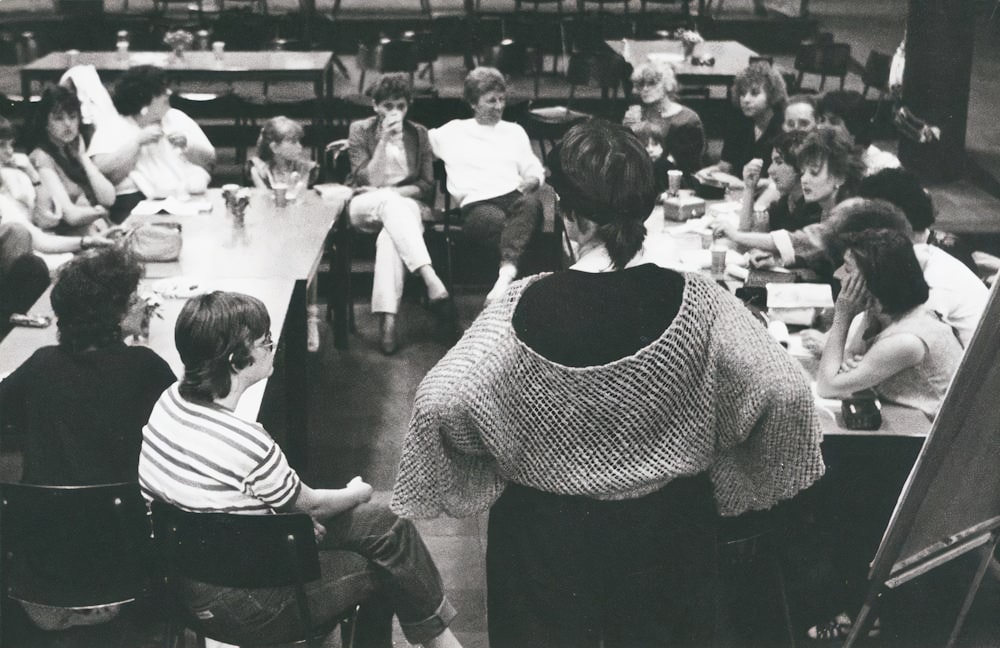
{"points": [[657, 73]]}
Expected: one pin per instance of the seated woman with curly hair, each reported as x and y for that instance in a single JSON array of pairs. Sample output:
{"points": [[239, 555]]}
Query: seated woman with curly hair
{"points": [[80, 405], [760, 94]]}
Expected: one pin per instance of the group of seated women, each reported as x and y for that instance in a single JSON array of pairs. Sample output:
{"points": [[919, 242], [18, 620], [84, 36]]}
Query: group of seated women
{"points": [[605, 415]]}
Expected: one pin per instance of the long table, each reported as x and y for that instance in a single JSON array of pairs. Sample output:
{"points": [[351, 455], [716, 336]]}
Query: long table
{"points": [[272, 243], [308, 67], [731, 57]]}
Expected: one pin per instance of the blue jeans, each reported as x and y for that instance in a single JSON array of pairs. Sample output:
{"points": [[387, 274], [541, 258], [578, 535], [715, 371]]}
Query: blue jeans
{"points": [[368, 555]]}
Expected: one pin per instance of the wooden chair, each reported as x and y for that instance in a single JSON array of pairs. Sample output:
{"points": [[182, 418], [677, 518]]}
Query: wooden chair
{"points": [[535, 20], [388, 55], [824, 59], [876, 75], [244, 551], [74, 547], [227, 119]]}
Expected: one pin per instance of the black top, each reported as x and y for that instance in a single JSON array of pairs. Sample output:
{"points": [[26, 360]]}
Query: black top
{"points": [[739, 145], [780, 217], [81, 414], [583, 319]]}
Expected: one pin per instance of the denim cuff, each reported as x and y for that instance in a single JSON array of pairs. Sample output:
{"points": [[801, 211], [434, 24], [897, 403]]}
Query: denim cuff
{"points": [[420, 632]]}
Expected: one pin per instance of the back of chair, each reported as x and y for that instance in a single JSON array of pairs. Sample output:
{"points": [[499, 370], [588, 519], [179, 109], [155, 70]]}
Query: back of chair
{"points": [[235, 550], [75, 546], [876, 72]]}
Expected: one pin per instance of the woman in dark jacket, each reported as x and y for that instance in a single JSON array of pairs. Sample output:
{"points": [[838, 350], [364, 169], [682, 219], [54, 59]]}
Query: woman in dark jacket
{"points": [[393, 176]]}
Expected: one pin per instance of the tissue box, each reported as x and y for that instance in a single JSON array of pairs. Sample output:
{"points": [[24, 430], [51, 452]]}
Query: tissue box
{"points": [[682, 208]]}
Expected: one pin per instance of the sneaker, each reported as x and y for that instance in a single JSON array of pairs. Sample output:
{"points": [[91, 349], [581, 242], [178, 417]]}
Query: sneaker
{"points": [[312, 329], [839, 627]]}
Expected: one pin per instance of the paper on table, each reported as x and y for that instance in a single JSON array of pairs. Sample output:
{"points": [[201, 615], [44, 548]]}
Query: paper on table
{"points": [[174, 206], [799, 295], [661, 58]]}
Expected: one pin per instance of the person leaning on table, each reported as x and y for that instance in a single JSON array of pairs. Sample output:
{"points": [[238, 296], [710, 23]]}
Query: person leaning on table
{"points": [[197, 454], [493, 173], [604, 415], [150, 150]]}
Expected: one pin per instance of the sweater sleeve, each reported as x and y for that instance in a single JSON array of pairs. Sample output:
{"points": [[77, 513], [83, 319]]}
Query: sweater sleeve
{"points": [[445, 467], [767, 432]]}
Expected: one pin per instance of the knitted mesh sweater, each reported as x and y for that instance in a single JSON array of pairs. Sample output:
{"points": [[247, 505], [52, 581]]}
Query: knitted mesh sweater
{"points": [[713, 393]]}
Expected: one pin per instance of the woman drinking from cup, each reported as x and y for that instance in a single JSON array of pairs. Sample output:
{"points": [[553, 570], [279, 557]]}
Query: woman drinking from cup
{"points": [[393, 176]]}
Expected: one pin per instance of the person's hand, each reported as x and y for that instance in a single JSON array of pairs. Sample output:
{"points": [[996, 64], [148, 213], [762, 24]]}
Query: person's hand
{"points": [[813, 341], [99, 211], [178, 140], [528, 185], [850, 363], [81, 148], [150, 134], [21, 161], [854, 297], [319, 531], [723, 229], [392, 126], [761, 260], [361, 490], [751, 172]]}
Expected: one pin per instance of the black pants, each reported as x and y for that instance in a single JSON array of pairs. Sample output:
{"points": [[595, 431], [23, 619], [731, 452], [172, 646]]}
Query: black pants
{"points": [[23, 275], [573, 571]]}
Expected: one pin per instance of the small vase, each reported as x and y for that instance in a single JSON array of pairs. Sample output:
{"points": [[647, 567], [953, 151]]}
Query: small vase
{"points": [[688, 50], [178, 53]]}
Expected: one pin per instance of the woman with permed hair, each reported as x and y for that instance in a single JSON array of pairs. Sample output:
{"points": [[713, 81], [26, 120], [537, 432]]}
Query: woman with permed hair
{"points": [[679, 130], [602, 413], [830, 170], [197, 454], [392, 174], [280, 157], [80, 193], [81, 405], [493, 173], [760, 96], [150, 150]]}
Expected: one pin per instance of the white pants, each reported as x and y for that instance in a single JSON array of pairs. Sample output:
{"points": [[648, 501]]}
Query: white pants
{"points": [[400, 244]]}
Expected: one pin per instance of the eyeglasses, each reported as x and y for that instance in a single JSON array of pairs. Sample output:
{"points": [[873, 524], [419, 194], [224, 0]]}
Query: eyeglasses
{"points": [[268, 343]]}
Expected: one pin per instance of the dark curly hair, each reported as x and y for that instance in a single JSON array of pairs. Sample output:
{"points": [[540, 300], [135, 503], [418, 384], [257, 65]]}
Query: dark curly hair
{"points": [[91, 297], [834, 146], [787, 145], [137, 88], [763, 75], [890, 268], [55, 100], [214, 335], [602, 173], [391, 86]]}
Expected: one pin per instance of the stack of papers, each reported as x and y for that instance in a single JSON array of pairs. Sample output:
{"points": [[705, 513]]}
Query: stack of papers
{"points": [[174, 206]]}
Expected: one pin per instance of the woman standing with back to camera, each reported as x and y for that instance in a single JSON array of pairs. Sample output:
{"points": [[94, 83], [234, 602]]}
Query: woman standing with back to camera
{"points": [[604, 415]]}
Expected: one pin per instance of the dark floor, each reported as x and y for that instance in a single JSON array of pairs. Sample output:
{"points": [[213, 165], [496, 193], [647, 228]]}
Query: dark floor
{"points": [[360, 400]]}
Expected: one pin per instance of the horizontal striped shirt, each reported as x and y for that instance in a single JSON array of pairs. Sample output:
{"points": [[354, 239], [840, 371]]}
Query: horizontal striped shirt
{"points": [[205, 458]]}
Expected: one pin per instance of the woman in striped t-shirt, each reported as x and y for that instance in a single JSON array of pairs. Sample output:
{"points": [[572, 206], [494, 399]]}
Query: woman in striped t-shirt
{"points": [[198, 455]]}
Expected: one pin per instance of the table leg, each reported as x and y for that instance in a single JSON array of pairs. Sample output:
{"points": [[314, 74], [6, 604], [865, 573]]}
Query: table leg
{"points": [[296, 380]]}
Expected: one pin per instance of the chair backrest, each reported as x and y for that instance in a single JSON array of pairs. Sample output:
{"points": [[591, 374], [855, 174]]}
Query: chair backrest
{"points": [[233, 550], [876, 72], [396, 55], [75, 546]]}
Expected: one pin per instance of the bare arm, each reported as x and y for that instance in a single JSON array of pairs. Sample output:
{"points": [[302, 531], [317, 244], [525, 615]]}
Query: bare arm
{"points": [[117, 164], [322, 503]]}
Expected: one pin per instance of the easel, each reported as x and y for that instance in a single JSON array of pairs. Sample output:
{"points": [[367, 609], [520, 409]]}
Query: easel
{"points": [[950, 504]]}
